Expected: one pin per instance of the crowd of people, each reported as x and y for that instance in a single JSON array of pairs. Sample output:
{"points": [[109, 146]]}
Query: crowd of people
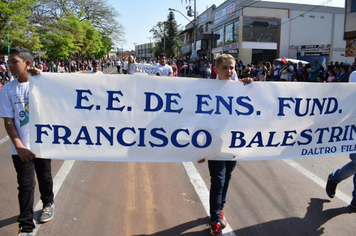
{"points": [[279, 70], [265, 71]]}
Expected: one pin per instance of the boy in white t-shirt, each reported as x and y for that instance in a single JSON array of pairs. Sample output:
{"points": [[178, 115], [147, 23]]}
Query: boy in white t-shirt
{"points": [[95, 68], [14, 109], [221, 171], [163, 69]]}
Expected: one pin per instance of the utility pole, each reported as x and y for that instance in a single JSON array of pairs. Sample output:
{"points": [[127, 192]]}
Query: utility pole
{"points": [[195, 25], [8, 40], [164, 36], [135, 48], [150, 47]]}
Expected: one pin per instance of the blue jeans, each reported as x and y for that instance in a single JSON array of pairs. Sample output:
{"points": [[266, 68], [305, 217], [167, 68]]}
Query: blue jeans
{"points": [[276, 78], [220, 176], [208, 75], [202, 73], [26, 181], [345, 172]]}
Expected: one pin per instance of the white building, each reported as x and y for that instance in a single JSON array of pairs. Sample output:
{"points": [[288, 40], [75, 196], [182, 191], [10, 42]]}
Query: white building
{"points": [[144, 51], [350, 29], [262, 31], [112, 55]]}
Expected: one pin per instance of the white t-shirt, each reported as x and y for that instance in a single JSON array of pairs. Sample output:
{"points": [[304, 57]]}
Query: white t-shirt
{"points": [[352, 77], [126, 65], [132, 68], [14, 103], [164, 70], [97, 73]]}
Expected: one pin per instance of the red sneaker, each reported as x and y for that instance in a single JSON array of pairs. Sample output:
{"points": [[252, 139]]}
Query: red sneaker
{"points": [[223, 221], [215, 229]]}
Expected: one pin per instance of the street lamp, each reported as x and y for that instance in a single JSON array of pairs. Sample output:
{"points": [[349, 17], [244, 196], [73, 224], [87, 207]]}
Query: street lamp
{"points": [[135, 48], [171, 9]]}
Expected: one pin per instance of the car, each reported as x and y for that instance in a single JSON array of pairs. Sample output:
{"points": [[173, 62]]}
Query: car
{"points": [[294, 61]]}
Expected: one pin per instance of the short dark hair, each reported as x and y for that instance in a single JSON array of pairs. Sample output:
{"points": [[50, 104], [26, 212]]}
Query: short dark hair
{"points": [[162, 55], [22, 53], [94, 63]]}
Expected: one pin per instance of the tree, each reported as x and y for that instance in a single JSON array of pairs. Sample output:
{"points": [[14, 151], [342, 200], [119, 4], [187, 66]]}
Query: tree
{"points": [[172, 33], [98, 12], [15, 25], [63, 37], [158, 32], [166, 36]]}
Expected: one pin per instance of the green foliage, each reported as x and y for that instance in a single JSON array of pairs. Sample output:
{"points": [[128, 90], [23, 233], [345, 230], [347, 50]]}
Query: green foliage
{"points": [[58, 41], [167, 37], [15, 25], [60, 28]]}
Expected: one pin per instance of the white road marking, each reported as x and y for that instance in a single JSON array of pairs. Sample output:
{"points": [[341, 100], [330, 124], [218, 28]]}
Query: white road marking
{"points": [[3, 140], [322, 183], [113, 71], [203, 192], [57, 183]]}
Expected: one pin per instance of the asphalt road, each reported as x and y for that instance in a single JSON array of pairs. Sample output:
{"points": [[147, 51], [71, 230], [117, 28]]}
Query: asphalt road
{"points": [[280, 197]]}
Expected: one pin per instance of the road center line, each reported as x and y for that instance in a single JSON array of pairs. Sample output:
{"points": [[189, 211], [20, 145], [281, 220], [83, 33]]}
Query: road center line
{"points": [[112, 71], [3, 140], [322, 183], [202, 191]]}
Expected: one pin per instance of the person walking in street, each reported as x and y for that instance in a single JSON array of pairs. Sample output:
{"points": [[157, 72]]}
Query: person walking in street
{"points": [[125, 66], [221, 171], [131, 65], [118, 65], [162, 69], [14, 109], [344, 172]]}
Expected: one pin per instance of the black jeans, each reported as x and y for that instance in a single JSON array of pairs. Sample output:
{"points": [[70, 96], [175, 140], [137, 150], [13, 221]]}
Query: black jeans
{"points": [[26, 181], [220, 175]]}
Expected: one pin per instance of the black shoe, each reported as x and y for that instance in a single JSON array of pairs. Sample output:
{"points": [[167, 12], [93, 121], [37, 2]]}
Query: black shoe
{"points": [[353, 203], [330, 187]]}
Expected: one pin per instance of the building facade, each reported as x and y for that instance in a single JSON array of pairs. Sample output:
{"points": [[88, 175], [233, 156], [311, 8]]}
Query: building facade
{"points": [[262, 31], [350, 29], [144, 51]]}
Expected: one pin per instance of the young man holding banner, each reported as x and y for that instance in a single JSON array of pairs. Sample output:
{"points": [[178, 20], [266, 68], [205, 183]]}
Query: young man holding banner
{"points": [[163, 69], [95, 68], [344, 172], [221, 171], [14, 109]]}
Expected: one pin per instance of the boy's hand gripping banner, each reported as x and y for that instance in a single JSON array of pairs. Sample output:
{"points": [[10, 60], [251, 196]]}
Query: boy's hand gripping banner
{"points": [[168, 119]]}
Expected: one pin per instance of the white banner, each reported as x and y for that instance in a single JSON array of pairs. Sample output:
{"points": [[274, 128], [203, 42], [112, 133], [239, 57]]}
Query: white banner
{"points": [[145, 68], [171, 119]]}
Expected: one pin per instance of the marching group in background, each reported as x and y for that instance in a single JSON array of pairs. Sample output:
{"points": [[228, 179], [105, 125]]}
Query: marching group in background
{"points": [[14, 100], [279, 70]]}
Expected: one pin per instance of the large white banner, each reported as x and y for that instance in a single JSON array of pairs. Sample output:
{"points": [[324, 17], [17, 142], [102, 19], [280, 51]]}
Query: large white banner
{"points": [[170, 119]]}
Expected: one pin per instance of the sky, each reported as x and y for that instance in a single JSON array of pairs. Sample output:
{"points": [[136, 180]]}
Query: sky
{"points": [[139, 16]]}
